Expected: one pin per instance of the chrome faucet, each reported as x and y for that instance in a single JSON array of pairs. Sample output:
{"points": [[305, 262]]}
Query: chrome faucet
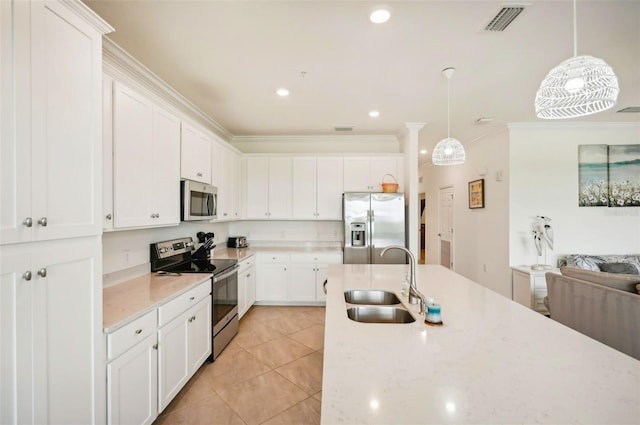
{"points": [[415, 296]]}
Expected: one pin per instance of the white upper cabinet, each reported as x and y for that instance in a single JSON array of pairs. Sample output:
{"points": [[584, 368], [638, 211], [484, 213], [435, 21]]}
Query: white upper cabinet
{"points": [[366, 174], [51, 78], [195, 155], [269, 186], [317, 188], [166, 168], [304, 189], [133, 141], [225, 176], [230, 185], [146, 173], [107, 152]]}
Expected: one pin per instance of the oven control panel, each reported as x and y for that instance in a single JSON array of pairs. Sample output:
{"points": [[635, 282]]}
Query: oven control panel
{"points": [[167, 249]]}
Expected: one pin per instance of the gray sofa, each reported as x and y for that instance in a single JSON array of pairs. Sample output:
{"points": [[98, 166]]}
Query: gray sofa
{"points": [[604, 306]]}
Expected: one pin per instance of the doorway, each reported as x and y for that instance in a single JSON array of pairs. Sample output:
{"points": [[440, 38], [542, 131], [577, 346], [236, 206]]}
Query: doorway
{"points": [[423, 232], [445, 227]]}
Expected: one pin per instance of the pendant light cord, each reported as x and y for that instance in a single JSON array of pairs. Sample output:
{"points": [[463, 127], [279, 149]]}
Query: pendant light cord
{"points": [[575, 31], [448, 108]]}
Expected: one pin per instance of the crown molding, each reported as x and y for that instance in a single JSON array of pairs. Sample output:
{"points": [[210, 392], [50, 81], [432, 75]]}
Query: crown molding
{"points": [[121, 65], [316, 139], [88, 15], [559, 125]]}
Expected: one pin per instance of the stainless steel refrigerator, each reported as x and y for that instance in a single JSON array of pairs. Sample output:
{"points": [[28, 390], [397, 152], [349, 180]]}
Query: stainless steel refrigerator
{"points": [[373, 221]]}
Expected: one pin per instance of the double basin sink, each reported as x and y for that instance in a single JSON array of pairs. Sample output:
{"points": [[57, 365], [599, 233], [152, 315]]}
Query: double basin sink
{"points": [[375, 306]]}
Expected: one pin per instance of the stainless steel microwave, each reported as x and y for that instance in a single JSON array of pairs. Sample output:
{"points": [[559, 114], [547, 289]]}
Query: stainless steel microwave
{"points": [[199, 201]]}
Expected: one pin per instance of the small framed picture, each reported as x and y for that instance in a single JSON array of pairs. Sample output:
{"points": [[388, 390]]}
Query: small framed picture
{"points": [[476, 194]]}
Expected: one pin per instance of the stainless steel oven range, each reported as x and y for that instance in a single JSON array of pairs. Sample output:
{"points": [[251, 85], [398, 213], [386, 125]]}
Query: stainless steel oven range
{"points": [[177, 256]]}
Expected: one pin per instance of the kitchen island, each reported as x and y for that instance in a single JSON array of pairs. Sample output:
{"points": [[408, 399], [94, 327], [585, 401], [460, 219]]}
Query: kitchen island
{"points": [[492, 361]]}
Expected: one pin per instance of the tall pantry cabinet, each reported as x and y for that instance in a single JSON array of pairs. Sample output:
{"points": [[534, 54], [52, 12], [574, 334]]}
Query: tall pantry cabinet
{"points": [[51, 347]]}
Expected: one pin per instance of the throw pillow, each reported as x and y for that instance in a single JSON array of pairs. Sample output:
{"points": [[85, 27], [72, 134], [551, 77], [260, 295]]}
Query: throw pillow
{"points": [[620, 268], [587, 262], [623, 282]]}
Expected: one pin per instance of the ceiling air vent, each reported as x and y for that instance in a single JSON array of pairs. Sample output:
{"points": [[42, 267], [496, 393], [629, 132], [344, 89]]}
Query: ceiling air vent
{"points": [[630, 109], [504, 17], [343, 128]]}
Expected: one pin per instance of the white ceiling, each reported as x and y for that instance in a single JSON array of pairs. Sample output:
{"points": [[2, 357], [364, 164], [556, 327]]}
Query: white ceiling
{"points": [[229, 57]]}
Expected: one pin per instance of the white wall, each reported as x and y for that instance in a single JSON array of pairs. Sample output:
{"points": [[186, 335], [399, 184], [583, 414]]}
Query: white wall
{"points": [[480, 238], [544, 181], [288, 232], [126, 253]]}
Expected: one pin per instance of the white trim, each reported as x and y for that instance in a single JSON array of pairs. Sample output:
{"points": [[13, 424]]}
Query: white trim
{"points": [[316, 139], [526, 125], [88, 15], [120, 65]]}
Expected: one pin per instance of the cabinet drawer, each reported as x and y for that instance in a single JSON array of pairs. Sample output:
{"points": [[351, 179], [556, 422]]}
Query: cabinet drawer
{"points": [[274, 258], [129, 335], [540, 282], [324, 257], [173, 308], [539, 300], [246, 263]]}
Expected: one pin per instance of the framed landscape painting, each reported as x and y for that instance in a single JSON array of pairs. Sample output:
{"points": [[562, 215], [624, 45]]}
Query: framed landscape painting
{"points": [[476, 194], [593, 176], [624, 175]]}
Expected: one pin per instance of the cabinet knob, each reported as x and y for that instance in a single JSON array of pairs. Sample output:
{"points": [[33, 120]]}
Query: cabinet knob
{"points": [[155, 346], [192, 298], [26, 275], [225, 214], [108, 217], [28, 222], [43, 222], [42, 272], [138, 331], [199, 174]]}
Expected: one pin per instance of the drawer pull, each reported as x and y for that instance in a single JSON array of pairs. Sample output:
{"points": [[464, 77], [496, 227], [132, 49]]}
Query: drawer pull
{"points": [[192, 298], [155, 346], [138, 331]]}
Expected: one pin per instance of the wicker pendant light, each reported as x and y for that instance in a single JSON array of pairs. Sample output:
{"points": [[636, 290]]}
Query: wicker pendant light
{"points": [[448, 151], [582, 85]]}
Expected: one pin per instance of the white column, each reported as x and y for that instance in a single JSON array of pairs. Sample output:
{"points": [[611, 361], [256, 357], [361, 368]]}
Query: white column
{"points": [[410, 150]]}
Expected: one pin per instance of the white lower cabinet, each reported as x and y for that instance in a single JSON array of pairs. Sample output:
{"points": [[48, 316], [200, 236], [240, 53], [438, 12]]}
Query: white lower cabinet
{"points": [[151, 358], [132, 375], [293, 277], [246, 285], [308, 273], [49, 323], [183, 345], [273, 277], [529, 287]]}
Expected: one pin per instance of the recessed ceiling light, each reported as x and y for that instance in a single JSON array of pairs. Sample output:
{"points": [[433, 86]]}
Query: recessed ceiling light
{"points": [[380, 16], [423, 151], [282, 92], [374, 114]]}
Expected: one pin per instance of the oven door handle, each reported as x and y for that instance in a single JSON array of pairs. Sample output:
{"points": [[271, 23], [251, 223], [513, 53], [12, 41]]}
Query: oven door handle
{"points": [[225, 275]]}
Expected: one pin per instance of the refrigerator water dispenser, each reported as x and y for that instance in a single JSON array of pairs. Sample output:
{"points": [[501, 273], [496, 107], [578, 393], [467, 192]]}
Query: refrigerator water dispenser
{"points": [[357, 234]]}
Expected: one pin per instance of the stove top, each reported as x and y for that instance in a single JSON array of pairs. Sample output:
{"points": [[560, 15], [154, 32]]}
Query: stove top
{"points": [[176, 256]]}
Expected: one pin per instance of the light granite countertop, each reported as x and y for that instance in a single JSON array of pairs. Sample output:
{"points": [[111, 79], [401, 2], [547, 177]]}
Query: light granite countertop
{"points": [[242, 253], [129, 300], [493, 360]]}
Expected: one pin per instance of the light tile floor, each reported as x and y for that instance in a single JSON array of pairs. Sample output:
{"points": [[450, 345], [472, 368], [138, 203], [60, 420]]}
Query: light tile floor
{"points": [[270, 373]]}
